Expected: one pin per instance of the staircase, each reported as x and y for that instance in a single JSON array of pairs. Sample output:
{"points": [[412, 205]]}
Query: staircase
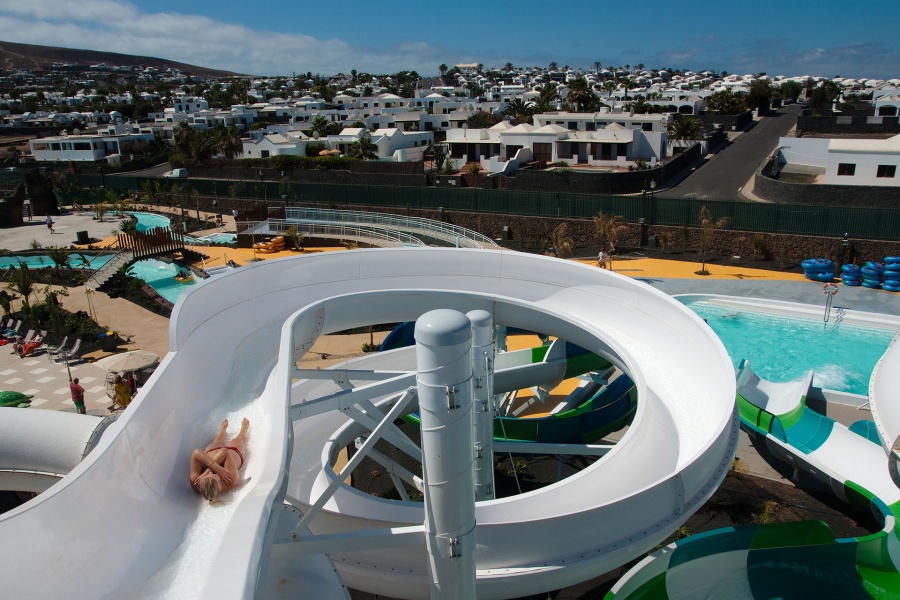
{"points": [[103, 274]]}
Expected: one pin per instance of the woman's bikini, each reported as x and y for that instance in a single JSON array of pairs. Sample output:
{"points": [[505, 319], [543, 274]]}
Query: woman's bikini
{"points": [[241, 454]]}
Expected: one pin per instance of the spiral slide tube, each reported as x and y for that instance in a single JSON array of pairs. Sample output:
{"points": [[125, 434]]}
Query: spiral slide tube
{"points": [[788, 560], [233, 345]]}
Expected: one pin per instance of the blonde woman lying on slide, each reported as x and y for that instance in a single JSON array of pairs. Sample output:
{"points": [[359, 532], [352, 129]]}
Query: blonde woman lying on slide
{"points": [[215, 470]]}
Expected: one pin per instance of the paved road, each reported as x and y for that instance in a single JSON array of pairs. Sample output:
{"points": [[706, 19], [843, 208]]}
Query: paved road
{"points": [[723, 174]]}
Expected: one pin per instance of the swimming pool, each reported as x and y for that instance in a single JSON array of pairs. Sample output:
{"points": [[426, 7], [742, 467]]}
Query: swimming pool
{"points": [[160, 276], [148, 221], [782, 347], [41, 261]]}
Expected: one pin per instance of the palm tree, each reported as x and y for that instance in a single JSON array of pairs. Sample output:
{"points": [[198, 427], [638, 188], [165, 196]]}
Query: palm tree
{"points": [[364, 149], [580, 97], [230, 143], [597, 66], [609, 87], [608, 228], [20, 281], [481, 120], [60, 256], [184, 135], [684, 128], [518, 110], [708, 228], [725, 103], [508, 66], [547, 95], [553, 66], [628, 83], [443, 70], [562, 241], [319, 125]]}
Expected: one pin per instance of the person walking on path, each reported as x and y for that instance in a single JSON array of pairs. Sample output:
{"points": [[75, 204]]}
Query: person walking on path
{"points": [[77, 396], [49, 221], [603, 259]]}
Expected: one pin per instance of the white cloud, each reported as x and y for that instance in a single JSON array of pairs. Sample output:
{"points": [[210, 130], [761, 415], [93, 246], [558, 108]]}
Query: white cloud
{"points": [[112, 26]]}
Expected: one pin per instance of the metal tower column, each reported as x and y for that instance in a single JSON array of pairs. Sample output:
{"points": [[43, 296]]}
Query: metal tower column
{"points": [[444, 382]]}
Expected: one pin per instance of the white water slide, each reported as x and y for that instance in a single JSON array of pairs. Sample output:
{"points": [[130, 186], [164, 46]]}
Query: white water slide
{"points": [[124, 522]]}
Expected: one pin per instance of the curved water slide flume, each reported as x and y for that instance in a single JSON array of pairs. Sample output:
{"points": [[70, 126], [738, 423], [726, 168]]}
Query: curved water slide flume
{"points": [[128, 508], [884, 387], [675, 453]]}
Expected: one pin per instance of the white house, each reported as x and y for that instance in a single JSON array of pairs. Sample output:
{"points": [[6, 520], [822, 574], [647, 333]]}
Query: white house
{"points": [[84, 148], [292, 143], [845, 161]]}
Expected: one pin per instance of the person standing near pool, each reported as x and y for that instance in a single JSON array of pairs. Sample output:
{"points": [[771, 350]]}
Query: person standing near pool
{"points": [[49, 222], [77, 396]]}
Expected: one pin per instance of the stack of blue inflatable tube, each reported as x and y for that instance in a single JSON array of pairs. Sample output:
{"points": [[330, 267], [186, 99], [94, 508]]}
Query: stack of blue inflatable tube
{"points": [[872, 274], [892, 273], [818, 269], [851, 274]]}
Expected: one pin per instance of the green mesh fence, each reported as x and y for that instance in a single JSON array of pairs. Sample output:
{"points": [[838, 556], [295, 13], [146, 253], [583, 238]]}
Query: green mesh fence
{"points": [[864, 223]]}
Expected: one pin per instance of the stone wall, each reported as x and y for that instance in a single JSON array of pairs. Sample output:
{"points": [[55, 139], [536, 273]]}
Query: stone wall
{"points": [[861, 196], [535, 233]]}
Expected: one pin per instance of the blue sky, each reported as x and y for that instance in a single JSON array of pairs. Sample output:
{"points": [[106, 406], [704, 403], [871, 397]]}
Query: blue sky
{"points": [[825, 38]]}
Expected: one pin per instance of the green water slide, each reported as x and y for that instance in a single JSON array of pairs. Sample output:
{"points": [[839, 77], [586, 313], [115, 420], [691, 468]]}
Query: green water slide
{"points": [[607, 408], [788, 560]]}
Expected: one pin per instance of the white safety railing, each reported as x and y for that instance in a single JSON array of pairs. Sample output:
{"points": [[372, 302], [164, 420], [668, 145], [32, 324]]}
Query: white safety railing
{"points": [[444, 232], [353, 233]]}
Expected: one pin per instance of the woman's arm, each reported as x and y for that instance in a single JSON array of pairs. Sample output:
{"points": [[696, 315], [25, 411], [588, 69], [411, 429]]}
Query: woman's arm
{"points": [[202, 459]]}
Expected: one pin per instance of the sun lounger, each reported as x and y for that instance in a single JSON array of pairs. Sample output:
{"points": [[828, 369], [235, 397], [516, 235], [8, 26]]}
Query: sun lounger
{"points": [[54, 350], [71, 354]]}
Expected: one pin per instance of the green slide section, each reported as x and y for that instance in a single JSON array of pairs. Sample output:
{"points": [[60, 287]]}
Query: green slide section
{"points": [[609, 409], [784, 560]]}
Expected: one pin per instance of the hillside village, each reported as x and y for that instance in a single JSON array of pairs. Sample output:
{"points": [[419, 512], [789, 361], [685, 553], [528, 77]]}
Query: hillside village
{"points": [[468, 119]]}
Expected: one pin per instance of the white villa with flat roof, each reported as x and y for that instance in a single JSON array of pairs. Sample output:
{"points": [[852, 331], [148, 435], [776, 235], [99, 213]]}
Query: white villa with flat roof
{"points": [[84, 148], [845, 161]]}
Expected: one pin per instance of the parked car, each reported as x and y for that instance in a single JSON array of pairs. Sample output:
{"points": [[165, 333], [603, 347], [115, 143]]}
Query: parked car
{"points": [[176, 174], [11, 169]]}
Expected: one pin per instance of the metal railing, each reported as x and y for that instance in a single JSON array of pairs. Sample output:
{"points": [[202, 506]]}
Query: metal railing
{"points": [[444, 232], [355, 233]]}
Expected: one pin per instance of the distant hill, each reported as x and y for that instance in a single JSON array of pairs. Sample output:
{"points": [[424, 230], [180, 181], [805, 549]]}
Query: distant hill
{"points": [[33, 58]]}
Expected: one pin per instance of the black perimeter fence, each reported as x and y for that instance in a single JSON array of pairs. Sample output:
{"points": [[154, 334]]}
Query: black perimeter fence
{"points": [[857, 222]]}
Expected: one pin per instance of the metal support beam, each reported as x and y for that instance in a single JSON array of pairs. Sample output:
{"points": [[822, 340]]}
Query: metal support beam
{"points": [[372, 539], [337, 481]]}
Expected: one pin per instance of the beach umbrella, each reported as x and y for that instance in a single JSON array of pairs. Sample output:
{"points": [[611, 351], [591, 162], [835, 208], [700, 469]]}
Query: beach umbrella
{"points": [[133, 360]]}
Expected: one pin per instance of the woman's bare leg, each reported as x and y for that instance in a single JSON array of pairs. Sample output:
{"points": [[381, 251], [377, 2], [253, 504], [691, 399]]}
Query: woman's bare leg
{"points": [[240, 440], [220, 437]]}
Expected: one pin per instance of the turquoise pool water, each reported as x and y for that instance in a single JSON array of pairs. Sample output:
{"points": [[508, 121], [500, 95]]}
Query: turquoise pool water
{"points": [[160, 276], [782, 348], [221, 238], [41, 261], [147, 221]]}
